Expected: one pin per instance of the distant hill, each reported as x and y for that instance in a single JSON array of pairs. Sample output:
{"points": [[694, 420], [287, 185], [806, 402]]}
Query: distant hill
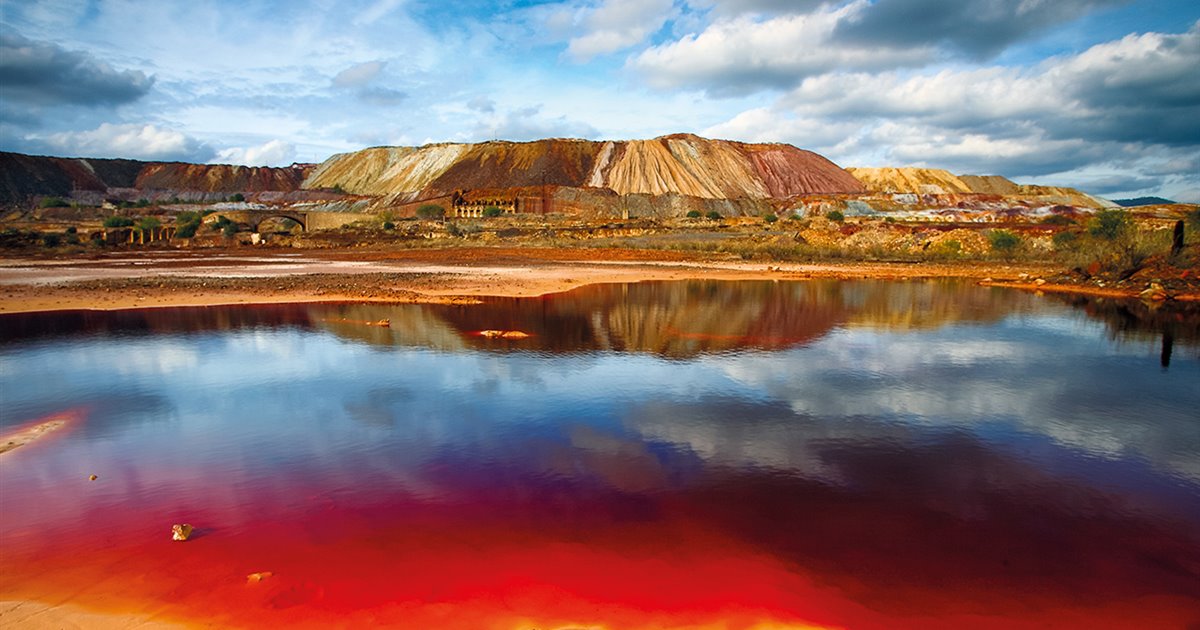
{"points": [[933, 181], [1142, 201], [26, 176]]}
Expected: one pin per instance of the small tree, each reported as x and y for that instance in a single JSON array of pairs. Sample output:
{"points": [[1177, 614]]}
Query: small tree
{"points": [[118, 222], [714, 215], [1003, 241], [835, 216], [148, 224], [693, 214], [770, 218], [1110, 224], [53, 202], [492, 212], [431, 211]]}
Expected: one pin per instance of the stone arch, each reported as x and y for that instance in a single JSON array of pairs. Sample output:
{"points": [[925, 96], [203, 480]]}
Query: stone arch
{"points": [[298, 218]]}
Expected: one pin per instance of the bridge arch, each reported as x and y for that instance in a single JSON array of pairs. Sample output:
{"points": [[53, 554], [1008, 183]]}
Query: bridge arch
{"points": [[258, 219]]}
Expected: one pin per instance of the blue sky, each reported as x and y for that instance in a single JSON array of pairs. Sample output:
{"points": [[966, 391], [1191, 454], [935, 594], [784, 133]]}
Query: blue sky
{"points": [[1099, 94]]}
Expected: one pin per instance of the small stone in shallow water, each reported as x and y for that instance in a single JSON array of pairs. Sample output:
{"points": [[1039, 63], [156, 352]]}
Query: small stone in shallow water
{"points": [[181, 532]]}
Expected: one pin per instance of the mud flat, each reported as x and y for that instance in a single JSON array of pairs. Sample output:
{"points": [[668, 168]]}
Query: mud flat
{"points": [[458, 275]]}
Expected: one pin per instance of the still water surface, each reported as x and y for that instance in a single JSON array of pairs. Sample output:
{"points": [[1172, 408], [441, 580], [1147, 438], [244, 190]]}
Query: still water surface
{"points": [[862, 455]]}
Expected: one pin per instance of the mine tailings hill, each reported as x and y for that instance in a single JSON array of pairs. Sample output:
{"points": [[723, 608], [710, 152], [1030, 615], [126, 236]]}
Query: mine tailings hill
{"points": [[684, 165], [26, 176], [933, 181]]}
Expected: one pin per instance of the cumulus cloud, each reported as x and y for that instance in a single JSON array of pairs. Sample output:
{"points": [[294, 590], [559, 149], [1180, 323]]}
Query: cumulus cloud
{"points": [[143, 142], [1137, 98], [271, 153], [976, 28], [42, 73], [482, 104], [747, 52], [616, 25]]}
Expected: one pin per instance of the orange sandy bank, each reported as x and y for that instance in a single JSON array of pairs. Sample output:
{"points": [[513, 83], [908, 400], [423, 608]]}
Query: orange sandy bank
{"points": [[437, 276]]}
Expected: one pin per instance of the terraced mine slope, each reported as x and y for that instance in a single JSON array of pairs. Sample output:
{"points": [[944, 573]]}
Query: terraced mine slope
{"points": [[680, 164]]}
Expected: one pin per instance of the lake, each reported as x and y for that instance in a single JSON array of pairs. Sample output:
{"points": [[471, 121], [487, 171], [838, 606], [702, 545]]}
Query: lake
{"points": [[926, 454]]}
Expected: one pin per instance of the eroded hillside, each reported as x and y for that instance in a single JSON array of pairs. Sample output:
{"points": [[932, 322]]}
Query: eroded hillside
{"points": [[680, 164]]}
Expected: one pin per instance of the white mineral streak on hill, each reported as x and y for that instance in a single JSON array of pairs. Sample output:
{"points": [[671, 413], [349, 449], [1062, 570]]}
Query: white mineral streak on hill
{"points": [[596, 179], [386, 170]]}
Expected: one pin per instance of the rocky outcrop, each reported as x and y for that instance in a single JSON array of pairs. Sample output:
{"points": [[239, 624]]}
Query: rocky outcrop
{"points": [[26, 176], [680, 164]]}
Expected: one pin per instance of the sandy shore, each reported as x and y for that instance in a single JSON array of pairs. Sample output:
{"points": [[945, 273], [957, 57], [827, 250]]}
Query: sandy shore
{"points": [[150, 279], [41, 616]]}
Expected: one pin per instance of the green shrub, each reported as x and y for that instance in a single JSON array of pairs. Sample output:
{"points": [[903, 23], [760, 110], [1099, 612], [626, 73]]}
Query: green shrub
{"points": [[229, 229], [714, 215], [431, 211], [53, 202], [187, 230], [118, 222], [770, 218], [492, 212], [1065, 240], [237, 197], [72, 230], [693, 214], [795, 217], [148, 224], [1058, 219], [222, 223], [836, 216], [1110, 224], [51, 239], [388, 225], [1003, 241], [142, 203]]}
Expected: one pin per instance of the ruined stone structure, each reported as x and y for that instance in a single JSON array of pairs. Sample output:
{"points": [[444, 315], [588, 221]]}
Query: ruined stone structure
{"points": [[462, 207]]}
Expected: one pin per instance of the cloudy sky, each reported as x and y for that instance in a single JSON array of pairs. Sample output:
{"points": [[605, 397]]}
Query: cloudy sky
{"points": [[1099, 94]]}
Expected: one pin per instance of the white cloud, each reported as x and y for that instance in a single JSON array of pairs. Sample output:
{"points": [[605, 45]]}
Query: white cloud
{"points": [[749, 53], [144, 142], [616, 25], [271, 153]]}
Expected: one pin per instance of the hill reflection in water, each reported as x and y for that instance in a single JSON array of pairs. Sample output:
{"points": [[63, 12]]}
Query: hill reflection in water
{"points": [[863, 455]]}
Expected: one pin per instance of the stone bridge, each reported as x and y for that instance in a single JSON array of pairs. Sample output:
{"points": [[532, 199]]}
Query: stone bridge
{"points": [[309, 220]]}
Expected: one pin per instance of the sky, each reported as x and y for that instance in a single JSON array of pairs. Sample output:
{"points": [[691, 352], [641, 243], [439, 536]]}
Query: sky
{"points": [[1102, 95]]}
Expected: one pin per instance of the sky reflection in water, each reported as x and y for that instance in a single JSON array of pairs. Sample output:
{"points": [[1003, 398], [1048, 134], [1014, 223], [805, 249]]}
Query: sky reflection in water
{"points": [[917, 451]]}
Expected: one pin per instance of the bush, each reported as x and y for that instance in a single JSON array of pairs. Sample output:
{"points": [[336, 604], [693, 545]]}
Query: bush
{"points": [[714, 215], [237, 197], [1058, 219], [1110, 224], [51, 240], [118, 222], [388, 225], [148, 224], [1065, 240], [142, 203], [1003, 241], [836, 216], [187, 230], [431, 211], [492, 212], [222, 223], [693, 214], [72, 230], [795, 217], [770, 218], [53, 202], [229, 229]]}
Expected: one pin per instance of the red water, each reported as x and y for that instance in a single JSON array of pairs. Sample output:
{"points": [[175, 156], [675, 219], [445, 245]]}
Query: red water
{"points": [[517, 550]]}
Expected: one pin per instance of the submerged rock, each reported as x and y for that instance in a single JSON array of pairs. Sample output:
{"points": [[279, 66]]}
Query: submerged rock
{"points": [[181, 532]]}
